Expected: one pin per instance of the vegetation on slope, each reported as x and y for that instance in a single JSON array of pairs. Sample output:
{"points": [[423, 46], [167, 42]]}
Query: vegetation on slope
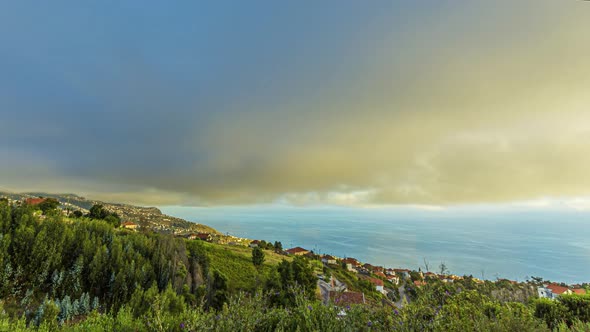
{"points": [[80, 274]]}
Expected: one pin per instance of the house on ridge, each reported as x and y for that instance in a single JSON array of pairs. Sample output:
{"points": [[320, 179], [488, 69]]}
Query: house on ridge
{"points": [[327, 259], [130, 225], [552, 291], [297, 251]]}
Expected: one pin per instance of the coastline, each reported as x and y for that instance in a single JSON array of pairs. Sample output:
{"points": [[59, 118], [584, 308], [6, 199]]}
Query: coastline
{"points": [[401, 243]]}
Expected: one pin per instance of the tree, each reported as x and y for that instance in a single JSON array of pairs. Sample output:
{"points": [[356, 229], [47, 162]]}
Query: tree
{"points": [[113, 219], [98, 211], [443, 268], [257, 256], [48, 204], [217, 294], [278, 246]]}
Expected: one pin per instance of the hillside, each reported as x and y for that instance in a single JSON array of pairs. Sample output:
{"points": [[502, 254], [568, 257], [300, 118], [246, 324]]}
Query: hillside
{"points": [[147, 217]]}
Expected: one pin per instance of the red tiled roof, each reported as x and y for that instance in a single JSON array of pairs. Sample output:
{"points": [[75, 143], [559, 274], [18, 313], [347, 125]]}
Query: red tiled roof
{"points": [[556, 289], [376, 282], [255, 242], [329, 257], [351, 261], [347, 298], [380, 274], [419, 283], [203, 236], [35, 201], [296, 250], [402, 270], [579, 291]]}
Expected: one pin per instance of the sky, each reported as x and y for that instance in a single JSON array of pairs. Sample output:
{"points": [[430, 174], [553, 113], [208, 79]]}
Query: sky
{"points": [[429, 103]]}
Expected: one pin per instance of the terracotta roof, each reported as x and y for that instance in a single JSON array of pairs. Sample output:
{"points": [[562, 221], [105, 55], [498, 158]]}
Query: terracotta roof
{"points": [[347, 298], [419, 283], [376, 282], [351, 261], [35, 201], [255, 242], [579, 291], [203, 236], [296, 250], [402, 270], [556, 289], [380, 274]]}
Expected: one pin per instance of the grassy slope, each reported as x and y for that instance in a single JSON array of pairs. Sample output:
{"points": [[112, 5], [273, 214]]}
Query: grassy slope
{"points": [[235, 262]]}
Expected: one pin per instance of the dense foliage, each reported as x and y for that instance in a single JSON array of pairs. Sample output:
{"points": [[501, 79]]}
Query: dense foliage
{"points": [[82, 274], [82, 265]]}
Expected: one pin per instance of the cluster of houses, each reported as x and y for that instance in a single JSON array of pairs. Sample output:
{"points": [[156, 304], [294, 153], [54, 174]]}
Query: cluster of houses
{"points": [[378, 274], [368, 271], [197, 236], [553, 291]]}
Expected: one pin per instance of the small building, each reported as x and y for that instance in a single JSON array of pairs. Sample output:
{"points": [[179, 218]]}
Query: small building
{"points": [[254, 244], [402, 273], [297, 251], [346, 298], [352, 261], [351, 264], [378, 269], [204, 237], [389, 272], [393, 279], [199, 236], [35, 201], [552, 291], [579, 291], [130, 225], [378, 284], [327, 259]]}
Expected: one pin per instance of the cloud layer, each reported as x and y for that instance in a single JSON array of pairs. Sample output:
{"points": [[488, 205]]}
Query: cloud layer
{"points": [[429, 104]]}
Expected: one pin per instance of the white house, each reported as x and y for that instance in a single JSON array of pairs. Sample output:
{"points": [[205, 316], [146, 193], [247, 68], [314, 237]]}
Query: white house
{"points": [[327, 259], [393, 279], [552, 291]]}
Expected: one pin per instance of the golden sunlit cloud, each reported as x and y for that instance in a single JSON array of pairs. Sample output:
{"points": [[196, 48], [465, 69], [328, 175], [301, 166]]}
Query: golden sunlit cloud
{"points": [[482, 102]]}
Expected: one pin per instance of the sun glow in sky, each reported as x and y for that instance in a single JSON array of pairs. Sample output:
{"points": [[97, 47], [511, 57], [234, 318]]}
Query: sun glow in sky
{"points": [[429, 104]]}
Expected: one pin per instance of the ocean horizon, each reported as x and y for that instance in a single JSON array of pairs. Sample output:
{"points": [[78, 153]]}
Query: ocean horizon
{"points": [[489, 244]]}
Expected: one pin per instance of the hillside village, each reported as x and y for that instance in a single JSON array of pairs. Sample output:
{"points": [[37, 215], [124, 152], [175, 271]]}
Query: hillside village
{"points": [[393, 284], [148, 218]]}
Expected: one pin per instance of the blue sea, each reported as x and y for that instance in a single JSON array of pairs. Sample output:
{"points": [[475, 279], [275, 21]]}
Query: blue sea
{"points": [[488, 243]]}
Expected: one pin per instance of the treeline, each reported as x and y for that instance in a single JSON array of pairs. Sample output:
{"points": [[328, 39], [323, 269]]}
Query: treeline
{"points": [[59, 270], [87, 265]]}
